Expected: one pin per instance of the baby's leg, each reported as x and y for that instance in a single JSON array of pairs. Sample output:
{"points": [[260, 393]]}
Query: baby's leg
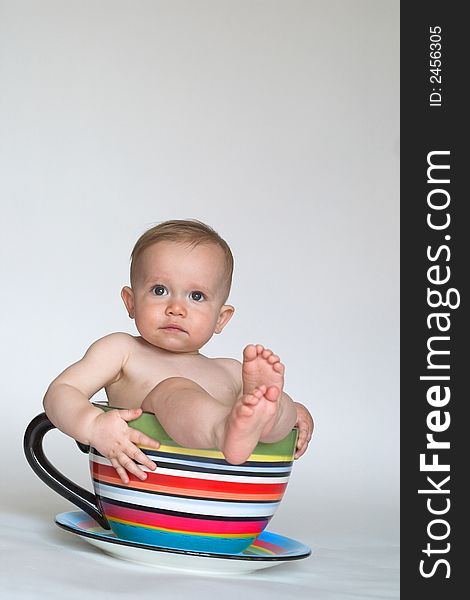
{"points": [[193, 418], [188, 413]]}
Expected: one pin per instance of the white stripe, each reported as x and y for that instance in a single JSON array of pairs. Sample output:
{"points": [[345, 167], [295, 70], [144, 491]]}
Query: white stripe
{"points": [[197, 475], [188, 505]]}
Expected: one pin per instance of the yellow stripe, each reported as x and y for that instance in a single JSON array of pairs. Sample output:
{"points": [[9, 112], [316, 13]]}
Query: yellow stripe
{"points": [[217, 454], [214, 535]]}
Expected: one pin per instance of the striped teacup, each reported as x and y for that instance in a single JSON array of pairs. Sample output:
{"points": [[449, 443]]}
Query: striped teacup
{"points": [[195, 500]]}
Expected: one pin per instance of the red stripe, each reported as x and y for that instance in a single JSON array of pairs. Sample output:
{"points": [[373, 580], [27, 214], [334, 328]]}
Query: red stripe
{"points": [[185, 524], [190, 483]]}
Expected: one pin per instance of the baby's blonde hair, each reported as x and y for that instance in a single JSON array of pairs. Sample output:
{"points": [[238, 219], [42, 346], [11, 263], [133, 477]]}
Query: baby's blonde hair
{"points": [[186, 231]]}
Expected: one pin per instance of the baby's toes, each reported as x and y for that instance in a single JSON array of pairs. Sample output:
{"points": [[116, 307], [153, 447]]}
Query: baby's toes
{"points": [[250, 400], [266, 353], [245, 411], [279, 368], [255, 396], [250, 352], [272, 393]]}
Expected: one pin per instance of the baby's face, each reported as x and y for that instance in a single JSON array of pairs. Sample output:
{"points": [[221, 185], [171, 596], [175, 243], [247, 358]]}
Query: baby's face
{"points": [[177, 296]]}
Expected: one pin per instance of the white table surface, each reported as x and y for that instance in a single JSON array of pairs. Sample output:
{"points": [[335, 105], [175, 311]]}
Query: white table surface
{"points": [[40, 560]]}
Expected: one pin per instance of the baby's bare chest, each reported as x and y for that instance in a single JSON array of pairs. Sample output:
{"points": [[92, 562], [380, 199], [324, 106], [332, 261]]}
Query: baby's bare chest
{"points": [[143, 371]]}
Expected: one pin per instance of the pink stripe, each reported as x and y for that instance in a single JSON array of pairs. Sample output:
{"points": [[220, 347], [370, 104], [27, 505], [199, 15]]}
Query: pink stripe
{"points": [[274, 548], [88, 525], [182, 523]]}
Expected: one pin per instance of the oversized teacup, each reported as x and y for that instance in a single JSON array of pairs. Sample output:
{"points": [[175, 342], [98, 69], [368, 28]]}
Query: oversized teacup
{"points": [[195, 500]]}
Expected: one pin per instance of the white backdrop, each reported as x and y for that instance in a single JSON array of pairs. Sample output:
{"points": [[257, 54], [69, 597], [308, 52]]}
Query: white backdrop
{"points": [[276, 122]]}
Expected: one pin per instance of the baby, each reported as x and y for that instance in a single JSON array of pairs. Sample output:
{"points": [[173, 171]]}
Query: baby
{"points": [[181, 273]]}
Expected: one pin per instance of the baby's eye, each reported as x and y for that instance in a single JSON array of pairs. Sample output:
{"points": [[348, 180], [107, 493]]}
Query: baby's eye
{"points": [[197, 296], [160, 290]]}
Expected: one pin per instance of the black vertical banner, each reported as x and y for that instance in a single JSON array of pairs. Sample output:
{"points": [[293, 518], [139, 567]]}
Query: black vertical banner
{"points": [[435, 339]]}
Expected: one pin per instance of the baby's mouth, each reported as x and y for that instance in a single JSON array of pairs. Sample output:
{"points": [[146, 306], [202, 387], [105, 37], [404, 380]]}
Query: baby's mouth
{"points": [[174, 328]]}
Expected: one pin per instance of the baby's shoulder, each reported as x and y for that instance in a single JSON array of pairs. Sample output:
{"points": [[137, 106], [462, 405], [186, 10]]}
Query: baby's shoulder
{"points": [[118, 342], [232, 365], [119, 338]]}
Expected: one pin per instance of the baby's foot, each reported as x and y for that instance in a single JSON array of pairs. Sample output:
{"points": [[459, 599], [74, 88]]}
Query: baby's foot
{"points": [[251, 415], [261, 367]]}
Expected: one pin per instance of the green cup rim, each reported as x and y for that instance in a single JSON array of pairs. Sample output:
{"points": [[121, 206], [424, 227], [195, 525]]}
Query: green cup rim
{"points": [[148, 423]]}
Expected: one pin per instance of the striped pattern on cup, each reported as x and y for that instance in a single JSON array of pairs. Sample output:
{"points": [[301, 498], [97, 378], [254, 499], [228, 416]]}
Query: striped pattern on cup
{"points": [[195, 500]]}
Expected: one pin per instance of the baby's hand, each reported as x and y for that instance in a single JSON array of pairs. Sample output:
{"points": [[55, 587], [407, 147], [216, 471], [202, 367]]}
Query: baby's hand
{"points": [[113, 438], [304, 424]]}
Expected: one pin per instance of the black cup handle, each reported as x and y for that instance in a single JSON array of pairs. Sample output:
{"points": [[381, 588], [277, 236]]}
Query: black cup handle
{"points": [[37, 460]]}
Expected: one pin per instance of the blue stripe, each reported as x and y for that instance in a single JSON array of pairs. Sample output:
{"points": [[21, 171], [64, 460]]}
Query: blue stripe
{"points": [[178, 541]]}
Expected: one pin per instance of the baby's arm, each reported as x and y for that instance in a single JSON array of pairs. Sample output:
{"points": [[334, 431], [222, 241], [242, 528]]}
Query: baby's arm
{"points": [[67, 405]]}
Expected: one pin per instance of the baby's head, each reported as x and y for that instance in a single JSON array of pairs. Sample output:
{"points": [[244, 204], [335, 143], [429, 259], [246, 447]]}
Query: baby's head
{"points": [[190, 233], [181, 272]]}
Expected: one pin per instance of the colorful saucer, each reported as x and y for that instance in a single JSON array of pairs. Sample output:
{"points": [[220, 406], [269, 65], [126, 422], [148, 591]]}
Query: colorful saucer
{"points": [[268, 550]]}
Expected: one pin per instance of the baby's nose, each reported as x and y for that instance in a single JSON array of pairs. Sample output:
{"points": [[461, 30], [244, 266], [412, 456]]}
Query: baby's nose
{"points": [[175, 308]]}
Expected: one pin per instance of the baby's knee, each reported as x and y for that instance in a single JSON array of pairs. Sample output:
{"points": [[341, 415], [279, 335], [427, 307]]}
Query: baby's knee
{"points": [[160, 392], [170, 385]]}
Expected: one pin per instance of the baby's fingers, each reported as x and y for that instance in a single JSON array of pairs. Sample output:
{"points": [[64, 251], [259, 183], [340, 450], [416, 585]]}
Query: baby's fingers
{"points": [[121, 471], [130, 414], [140, 457], [140, 439], [127, 461], [303, 440]]}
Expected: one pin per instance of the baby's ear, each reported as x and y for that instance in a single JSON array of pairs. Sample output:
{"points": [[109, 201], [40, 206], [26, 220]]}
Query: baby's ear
{"points": [[226, 313], [127, 296]]}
